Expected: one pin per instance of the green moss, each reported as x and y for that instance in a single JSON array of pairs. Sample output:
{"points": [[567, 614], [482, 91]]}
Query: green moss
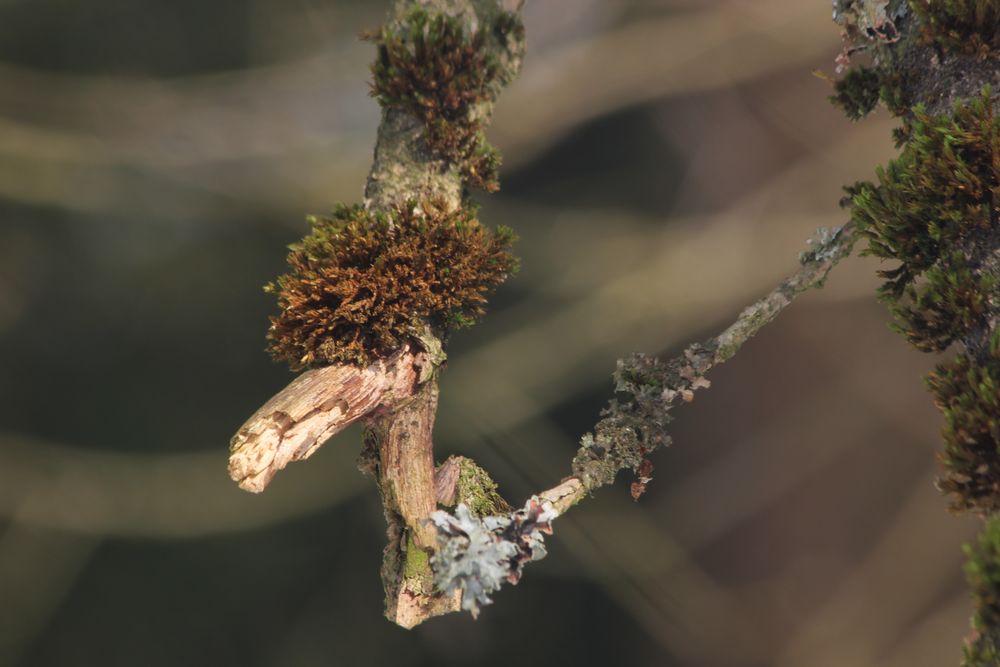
{"points": [[942, 190], [967, 391], [935, 212], [965, 26], [891, 93], [418, 563], [431, 66], [861, 89], [983, 572], [857, 93], [360, 284], [478, 491], [951, 302]]}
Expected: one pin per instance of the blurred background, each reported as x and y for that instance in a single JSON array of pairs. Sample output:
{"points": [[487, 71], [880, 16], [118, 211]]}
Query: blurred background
{"points": [[665, 162]]}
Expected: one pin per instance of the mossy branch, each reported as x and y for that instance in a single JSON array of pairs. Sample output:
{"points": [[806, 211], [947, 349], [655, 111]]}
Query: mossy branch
{"points": [[935, 213], [374, 291]]}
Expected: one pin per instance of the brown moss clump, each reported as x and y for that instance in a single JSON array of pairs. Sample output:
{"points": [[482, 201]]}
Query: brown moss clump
{"points": [[439, 72], [361, 284], [968, 393], [963, 26]]}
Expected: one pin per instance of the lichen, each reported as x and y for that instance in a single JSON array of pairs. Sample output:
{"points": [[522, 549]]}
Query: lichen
{"points": [[824, 246], [866, 25], [432, 66], [477, 555], [964, 26], [361, 284], [635, 421]]}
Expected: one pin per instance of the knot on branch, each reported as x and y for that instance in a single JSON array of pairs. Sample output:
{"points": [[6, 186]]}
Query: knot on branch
{"points": [[361, 283], [477, 555]]}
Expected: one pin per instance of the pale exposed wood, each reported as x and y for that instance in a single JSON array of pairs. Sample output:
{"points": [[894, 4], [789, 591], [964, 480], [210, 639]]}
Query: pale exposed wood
{"points": [[315, 406], [564, 495], [413, 607]]}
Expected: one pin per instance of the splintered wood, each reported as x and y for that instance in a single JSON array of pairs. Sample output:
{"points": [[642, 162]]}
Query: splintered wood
{"points": [[315, 406]]}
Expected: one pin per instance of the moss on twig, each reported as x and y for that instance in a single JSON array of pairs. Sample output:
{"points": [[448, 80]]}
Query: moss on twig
{"points": [[362, 283], [433, 67]]}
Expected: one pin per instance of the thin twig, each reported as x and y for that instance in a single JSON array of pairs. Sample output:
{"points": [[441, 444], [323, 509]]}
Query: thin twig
{"points": [[477, 555]]}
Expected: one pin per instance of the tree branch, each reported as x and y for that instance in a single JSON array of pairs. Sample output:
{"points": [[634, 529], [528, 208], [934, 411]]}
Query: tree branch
{"points": [[476, 555], [439, 67]]}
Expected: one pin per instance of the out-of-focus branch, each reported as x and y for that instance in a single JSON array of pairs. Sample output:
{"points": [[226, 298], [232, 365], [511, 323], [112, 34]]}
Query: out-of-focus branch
{"points": [[476, 555]]}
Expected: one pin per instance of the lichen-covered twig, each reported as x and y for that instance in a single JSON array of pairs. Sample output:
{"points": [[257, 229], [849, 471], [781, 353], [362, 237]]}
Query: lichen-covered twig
{"points": [[477, 555]]}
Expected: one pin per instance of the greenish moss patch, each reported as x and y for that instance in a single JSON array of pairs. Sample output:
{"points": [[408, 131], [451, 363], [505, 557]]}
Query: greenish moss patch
{"points": [[418, 563], [951, 302], [478, 491], [964, 26], [942, 189], [857, 92], [983, 572], [967, 391]]}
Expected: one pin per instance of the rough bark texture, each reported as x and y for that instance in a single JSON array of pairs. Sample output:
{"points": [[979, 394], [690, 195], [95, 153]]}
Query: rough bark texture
{"points": [[398, 453], [405, 462]]}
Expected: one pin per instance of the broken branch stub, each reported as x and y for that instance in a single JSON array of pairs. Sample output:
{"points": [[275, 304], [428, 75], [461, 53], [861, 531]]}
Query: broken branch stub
{"points": [[316, 406]]}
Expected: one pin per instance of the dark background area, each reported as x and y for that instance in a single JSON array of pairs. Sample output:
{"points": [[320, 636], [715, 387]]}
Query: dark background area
{"points": [[664, 164]]}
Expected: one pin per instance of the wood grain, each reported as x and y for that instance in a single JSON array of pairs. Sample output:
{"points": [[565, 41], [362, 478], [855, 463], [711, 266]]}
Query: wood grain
{"points": [[315, 406]]}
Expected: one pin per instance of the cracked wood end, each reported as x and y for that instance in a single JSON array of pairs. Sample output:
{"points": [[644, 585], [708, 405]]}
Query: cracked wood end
{"points": [[315, 406]]}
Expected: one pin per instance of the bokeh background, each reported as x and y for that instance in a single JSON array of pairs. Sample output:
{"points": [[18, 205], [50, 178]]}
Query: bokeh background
{"points": [[665, 162]]}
